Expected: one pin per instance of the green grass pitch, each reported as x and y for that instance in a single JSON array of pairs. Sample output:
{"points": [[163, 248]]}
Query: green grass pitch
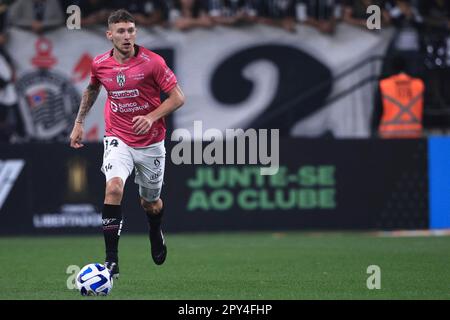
{"points": [[235, 266]]}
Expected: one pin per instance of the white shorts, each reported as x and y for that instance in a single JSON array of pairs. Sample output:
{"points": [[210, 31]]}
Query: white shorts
{"points": [[119, 160]]}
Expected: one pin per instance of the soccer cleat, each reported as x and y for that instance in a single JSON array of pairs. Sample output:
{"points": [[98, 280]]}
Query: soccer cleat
{"points": [[113, 268], [159, 249]]}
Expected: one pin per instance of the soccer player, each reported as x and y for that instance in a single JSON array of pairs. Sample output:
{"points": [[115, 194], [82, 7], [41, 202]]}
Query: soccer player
{"points": [[133, 77]]}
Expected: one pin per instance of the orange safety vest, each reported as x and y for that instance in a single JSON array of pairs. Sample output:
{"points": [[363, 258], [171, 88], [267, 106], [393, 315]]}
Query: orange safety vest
{"points": [[402, 98]]}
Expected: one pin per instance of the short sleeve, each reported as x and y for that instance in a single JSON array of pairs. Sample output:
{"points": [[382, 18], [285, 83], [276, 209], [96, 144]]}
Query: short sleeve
{"points": [[164, 77], [94, 80]]}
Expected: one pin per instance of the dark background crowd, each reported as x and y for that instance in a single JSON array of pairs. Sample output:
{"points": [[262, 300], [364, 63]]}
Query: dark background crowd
{"points": [[422, 30]]}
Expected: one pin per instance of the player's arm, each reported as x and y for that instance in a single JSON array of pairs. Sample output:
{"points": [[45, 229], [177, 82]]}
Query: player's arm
{"points": [[141, 124], [90, 94]]}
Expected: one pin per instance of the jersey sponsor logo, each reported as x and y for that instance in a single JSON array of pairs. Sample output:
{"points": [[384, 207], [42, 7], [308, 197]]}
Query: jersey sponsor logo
{"points": [[123, 94], [9, 172], [128, 107], [114, 107], [120, 78]]}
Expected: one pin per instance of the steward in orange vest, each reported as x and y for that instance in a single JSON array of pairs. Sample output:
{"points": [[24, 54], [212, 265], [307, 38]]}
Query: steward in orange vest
{"points": [[402, 98]]}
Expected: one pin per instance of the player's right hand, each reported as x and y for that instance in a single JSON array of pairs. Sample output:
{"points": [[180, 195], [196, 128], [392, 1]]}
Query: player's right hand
{"points": [[76, 136]]}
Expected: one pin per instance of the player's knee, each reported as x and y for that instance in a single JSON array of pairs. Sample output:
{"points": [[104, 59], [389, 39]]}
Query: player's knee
{"points": [[114, 189], [152, 207]]}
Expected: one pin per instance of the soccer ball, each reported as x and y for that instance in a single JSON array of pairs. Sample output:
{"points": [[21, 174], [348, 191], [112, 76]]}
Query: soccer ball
{"points": [[94, 280]]}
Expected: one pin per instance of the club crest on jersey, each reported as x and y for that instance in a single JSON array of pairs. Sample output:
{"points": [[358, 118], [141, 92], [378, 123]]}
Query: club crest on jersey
{"points": [[120, 79]]}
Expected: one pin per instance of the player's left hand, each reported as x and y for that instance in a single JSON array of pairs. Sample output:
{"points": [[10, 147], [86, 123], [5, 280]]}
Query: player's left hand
{"points": [[142, 124]]}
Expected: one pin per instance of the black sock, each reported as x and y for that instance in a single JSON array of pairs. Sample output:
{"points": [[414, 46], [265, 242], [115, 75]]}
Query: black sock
{"points": [[112, 225], [154, 221]]}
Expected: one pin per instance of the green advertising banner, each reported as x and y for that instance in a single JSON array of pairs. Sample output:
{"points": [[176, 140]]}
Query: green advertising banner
{"points": [[307, 187], [320, 184]]}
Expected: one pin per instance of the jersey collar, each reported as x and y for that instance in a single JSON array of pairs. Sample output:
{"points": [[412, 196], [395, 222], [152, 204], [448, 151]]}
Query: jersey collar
{"points": [[136, 51]]}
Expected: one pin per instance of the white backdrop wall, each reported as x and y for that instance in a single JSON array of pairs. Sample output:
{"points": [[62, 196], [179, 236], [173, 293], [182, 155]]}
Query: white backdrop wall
{"points": [[203, 62]]}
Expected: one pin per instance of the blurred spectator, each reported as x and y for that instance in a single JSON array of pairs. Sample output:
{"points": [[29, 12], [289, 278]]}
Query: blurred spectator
{"points": [[406, 42], [146, 12], [278, 13], [436, 13], [232, 12], [402, 13], [355, 11], [94, 12], [188, 14], [4, 7], [321, 14], [36, 15], [436, 40], [436, 32]]}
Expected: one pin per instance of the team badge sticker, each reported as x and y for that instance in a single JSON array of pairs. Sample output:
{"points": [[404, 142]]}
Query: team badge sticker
{"points": [[120, 79]]}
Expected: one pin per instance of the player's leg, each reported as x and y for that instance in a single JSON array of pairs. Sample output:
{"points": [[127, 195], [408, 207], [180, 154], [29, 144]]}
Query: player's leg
{"points": [[154, 210], [149, 170], [117, 166], [112, 223]]}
